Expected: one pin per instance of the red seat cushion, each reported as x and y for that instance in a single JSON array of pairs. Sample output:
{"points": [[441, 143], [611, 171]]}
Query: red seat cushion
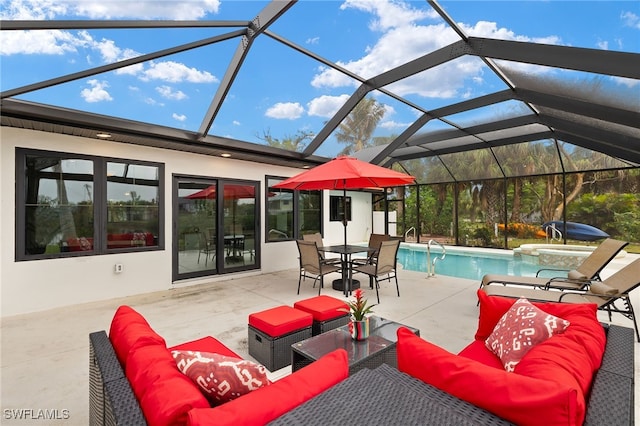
{"points": [[517, 398], [165, 394], [323, 307], [128, 327], [280, 320], [205, 344], [478, 351], [270, 402]]}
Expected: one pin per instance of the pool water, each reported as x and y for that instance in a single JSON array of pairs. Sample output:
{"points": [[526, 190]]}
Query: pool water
{"points": [[461, 264]]}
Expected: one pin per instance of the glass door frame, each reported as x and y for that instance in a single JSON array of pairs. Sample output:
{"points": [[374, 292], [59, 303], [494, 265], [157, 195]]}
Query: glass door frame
{"points": [[218, 224]]}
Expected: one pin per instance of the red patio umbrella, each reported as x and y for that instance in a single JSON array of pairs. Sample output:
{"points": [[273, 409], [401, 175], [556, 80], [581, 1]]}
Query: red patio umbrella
{"points": [[230, 192], [346, 173]]}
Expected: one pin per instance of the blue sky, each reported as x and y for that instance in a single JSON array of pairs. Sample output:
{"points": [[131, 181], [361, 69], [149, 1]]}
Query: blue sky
{"points": [[280, 91]]}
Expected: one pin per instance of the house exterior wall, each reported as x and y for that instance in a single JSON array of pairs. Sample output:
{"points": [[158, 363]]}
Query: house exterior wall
{"points": [[37, 285]]}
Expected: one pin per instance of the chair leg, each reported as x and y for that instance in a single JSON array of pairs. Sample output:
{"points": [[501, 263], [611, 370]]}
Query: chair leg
{"points": [[299, 280], [632, 316], [321, 284], [397, 287], [377, 287]]}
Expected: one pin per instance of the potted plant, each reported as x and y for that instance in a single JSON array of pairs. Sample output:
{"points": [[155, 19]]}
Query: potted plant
{"points": [[359, 324]]}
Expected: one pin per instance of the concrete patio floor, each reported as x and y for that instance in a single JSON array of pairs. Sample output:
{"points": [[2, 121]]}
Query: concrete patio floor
{"points": [[45, 354]]}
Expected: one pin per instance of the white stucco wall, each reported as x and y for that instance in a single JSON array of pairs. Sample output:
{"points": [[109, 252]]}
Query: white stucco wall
{"points": [[30, 286]]}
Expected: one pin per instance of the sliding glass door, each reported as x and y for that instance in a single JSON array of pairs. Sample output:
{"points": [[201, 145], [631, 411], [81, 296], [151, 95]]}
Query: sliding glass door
{"points": [[215, 226]]}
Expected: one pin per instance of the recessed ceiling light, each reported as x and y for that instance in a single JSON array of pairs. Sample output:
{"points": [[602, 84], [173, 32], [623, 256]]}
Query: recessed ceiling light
{"points": [[306, 167], [225, 155], [103, 135]]}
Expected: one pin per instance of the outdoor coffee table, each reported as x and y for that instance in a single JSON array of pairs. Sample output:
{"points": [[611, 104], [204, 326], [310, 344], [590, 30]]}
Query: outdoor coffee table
{"points": [[379, 348]]}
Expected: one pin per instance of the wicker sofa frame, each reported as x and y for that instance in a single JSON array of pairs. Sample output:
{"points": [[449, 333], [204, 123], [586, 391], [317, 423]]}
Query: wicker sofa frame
{"points": [[112, 401]]}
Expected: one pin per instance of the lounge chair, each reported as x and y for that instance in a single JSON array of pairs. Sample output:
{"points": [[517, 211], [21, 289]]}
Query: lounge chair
{"points": [[604, 293], [588, 270]]}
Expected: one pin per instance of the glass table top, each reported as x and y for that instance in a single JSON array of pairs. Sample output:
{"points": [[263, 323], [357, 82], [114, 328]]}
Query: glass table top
{"points": [[382, 336]]}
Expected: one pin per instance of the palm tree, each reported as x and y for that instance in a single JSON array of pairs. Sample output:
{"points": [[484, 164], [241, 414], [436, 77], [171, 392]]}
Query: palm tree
{"points": [[358, 127], [295, 143]]}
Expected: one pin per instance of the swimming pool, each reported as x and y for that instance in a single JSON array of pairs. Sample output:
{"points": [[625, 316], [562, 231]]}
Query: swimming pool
{"points": [[463, 263]]}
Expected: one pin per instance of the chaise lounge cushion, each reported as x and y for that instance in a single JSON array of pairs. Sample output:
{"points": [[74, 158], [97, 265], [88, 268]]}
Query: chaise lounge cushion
{"points": [[514, 397], [129, 328], [270, 402]]}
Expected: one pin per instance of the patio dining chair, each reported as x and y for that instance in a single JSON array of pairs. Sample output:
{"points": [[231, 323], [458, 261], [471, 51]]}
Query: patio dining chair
{"points": [[311, 265], [206, 246], [374, 245], [385, 268], [588, 270], [611, 294], [317, 238]]}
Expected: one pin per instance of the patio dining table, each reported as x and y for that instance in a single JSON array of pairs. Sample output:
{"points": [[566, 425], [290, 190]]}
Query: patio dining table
{"points": [[346, 284]]}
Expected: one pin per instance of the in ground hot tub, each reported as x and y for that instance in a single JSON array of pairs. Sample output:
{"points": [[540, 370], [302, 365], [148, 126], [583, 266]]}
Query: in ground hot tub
{"points": [[567, 256]]}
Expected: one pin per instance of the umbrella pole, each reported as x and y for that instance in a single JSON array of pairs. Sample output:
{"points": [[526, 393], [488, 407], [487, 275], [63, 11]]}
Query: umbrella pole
{"points": [[344, 206]]}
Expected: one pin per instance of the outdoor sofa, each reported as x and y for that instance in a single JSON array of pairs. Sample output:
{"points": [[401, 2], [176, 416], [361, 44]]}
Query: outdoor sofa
{"points": [[430, 386]]}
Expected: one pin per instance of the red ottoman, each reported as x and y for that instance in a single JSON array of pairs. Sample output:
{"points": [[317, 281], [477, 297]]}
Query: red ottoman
{"points": [[273, 331], [328, 312]]}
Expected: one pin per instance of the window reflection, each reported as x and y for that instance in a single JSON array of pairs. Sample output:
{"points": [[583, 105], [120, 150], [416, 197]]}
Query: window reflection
{"points": [[58, 205], [132, 205]]}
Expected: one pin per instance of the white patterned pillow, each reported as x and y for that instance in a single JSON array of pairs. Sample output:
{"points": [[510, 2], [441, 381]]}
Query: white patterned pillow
{"points": [[221, 378], [521, 328]]}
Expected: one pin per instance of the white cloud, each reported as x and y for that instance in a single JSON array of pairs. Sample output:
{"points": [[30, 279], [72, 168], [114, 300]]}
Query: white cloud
{"points": [[45, 42], [604, 45], [313, 40], [405, 38], [392, 125], [236, 123], [326, 106], [179, 117], [630, 19], [175, 72], [389, 14], [153, 102], [285, 110], [109, 9], [97, 92], [169, 93]]}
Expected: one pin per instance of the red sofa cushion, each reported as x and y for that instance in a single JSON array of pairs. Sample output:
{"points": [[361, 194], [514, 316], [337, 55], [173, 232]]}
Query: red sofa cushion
{"points": [[492, 308], [205, 344], [280, 320], [514, 397], [165, 394], [128, 327], [570, 357], [270, 402], [478, 351]]}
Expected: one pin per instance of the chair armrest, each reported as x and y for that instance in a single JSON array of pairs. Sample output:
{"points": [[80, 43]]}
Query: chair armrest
{"points": [[552, 270], [576, 284]]}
